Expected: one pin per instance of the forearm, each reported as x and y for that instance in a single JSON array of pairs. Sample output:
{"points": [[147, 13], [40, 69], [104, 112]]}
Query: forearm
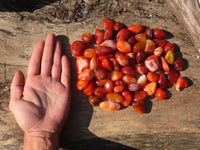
{"points": [[40, 141]]}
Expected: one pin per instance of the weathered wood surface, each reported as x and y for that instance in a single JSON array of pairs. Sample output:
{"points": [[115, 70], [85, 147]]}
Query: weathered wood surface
{"points": [[188, 14], [170, 124]]}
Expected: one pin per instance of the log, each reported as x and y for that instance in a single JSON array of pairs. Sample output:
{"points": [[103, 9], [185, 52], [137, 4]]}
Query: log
{"points": [[188, 14], [169, 124]]}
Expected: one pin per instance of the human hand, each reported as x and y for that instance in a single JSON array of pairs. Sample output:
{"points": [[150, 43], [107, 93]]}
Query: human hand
{"points": [[41, 104]]}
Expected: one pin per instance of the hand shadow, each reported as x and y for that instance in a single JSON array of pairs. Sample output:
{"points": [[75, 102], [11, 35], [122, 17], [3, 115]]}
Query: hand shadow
{"points": [[75, 134]]}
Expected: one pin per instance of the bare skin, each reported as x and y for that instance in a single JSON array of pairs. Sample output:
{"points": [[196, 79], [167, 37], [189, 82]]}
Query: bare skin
{"points": [[41, 103]]}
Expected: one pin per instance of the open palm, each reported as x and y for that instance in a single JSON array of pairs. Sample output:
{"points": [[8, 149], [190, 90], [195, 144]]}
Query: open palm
{"points": [[41, 103]]}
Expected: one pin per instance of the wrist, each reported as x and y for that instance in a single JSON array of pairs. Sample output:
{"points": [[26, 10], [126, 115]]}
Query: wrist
{"points": [[41, 141]]}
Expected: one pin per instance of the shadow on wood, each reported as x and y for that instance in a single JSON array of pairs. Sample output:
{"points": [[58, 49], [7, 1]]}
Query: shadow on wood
{"points": [[75, 134], [23, 5]]}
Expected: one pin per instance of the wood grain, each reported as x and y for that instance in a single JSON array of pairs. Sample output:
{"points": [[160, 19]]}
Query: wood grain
{"points": [[170, 124], [188, 12]]}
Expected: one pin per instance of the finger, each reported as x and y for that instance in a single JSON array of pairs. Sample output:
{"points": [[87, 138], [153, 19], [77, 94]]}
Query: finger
{"points": [[35, 61], [65, 75], [47, 58], [17, 87], [56, 69]]}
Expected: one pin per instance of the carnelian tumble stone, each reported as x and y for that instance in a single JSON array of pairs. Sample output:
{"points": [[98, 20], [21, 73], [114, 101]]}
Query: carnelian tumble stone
{"points": [[77, 48], [109, 105], [127, 98], [126, 65], [139, 106], [87, 38], [140, 95], [160, 94], [115, 97]]}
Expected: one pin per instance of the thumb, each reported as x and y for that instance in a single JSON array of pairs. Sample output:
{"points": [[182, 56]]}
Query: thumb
{"points": [[17, 86]]}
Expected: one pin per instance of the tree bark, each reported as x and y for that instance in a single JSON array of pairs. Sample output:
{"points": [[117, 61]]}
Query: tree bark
{"points": [[188, 14]]}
